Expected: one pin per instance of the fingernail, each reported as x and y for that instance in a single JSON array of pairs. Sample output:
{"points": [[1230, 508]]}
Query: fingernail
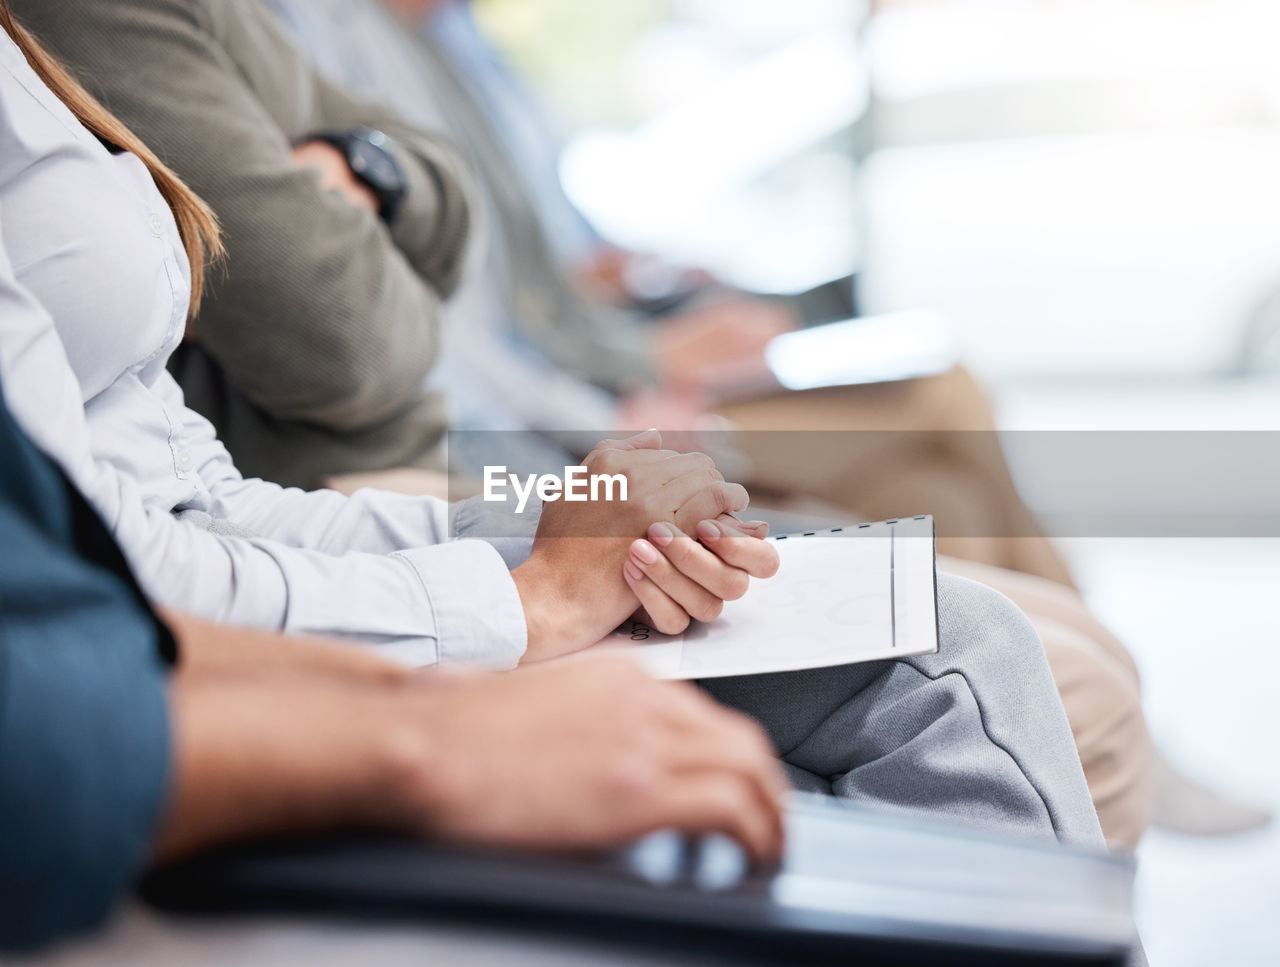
{"points": [[662, 534], [710, 531], [633, 572], [644, 552]]}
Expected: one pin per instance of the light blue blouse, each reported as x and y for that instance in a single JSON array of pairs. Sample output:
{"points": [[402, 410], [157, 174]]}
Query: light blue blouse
{"points": [[93, 242]]}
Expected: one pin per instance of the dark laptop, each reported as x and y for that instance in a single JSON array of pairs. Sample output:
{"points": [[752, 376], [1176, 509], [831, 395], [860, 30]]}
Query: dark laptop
{"points": [[858, 886]]}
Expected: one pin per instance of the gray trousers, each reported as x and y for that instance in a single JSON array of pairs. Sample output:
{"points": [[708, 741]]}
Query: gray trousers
{"points": [[975, 732]]}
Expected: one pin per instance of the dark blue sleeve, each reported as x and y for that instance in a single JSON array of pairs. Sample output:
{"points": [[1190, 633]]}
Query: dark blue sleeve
{"points": [[84, 729]]}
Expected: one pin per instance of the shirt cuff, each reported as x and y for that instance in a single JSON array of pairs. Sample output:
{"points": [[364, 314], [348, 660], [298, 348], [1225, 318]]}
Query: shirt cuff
{"points": [[510, 534], [479, 619]]}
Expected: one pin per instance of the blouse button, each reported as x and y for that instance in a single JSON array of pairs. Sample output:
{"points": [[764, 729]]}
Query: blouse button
{"points": [[157, 224], [184, 460]]}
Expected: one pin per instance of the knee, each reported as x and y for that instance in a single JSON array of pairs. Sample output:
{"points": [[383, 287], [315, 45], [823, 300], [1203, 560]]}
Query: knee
{"points": [[981, 626], [964, 400]]}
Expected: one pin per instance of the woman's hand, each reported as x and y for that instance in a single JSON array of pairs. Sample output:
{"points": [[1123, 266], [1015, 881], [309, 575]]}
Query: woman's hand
{"points": [[573, 588], [678, 579]]}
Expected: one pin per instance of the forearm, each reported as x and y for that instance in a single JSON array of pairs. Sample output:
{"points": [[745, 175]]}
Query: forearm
{"points": [[372, 521], [550, 611], [260, 758], [217, 651], [433, 224], [452, 602], [254, 760]]}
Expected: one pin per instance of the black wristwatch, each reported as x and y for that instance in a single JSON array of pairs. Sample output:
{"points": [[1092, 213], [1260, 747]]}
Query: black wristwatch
{"points": [[373, 163]]}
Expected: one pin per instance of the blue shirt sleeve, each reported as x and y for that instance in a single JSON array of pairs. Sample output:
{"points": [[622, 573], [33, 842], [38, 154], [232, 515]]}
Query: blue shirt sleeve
{"points": [[84, 728]]}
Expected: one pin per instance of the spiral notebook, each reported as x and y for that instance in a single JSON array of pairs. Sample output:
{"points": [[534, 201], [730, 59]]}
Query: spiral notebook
{"points": [[865, 592]]}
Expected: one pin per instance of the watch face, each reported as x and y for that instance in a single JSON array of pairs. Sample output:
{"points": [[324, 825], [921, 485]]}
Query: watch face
{"points": [[374, 165]]}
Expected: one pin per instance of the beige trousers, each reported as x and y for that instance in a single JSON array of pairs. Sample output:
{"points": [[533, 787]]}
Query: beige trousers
{"points": [[895, 450]]}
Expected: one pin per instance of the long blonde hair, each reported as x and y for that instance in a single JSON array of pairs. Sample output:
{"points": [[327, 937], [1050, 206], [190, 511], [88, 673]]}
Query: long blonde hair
{"points": [[197, 223]]}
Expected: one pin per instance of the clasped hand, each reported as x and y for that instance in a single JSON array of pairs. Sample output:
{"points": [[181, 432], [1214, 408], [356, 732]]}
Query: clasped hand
{"points": [[673, 549]]}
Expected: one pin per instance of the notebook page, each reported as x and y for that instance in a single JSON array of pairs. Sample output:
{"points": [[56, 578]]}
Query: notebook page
{"points": [[838, 598]]}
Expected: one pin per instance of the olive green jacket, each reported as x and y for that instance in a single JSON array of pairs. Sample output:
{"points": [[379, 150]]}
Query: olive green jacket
{"points": [[317, 335]]}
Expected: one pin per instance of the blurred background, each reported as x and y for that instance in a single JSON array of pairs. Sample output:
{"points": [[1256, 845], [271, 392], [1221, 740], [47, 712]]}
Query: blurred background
{"points": [[1090, 189]]}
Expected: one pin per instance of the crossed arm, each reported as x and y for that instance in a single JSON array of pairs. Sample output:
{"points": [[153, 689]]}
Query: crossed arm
{"points": [[322, 313]]}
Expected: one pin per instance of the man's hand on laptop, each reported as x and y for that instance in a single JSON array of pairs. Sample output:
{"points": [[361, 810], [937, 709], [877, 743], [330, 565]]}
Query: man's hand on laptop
{"points": [[591, 753], [586, 754]]}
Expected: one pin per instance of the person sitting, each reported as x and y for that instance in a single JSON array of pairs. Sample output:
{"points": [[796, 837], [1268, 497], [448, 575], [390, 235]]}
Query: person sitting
{"points": [[1116, 759], [130, 738], [975, 731], [378, 567], [526, 130], [197, 71], [358, 43]]}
